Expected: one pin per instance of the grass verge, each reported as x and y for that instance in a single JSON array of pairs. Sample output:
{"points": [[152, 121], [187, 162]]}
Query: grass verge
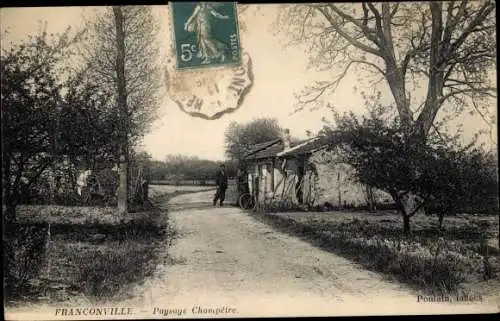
{"points": [[83, 254], [437, 262]]}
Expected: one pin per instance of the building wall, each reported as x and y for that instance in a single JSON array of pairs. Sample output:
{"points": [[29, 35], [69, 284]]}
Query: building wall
{"points": [[310, 187], [262, 171], [329, 181], [285, 179], [336, 185], [275, 180]]}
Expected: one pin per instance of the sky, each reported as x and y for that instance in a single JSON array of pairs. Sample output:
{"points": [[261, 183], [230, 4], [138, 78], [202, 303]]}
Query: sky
{"points": [[279, 72]]}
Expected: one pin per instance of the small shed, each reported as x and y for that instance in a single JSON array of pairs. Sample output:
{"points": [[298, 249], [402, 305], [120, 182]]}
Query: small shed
{"points": [[278, 169], [306, 173]]}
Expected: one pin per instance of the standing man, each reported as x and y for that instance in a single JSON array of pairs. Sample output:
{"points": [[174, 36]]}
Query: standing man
{"points": [[221, 183]]}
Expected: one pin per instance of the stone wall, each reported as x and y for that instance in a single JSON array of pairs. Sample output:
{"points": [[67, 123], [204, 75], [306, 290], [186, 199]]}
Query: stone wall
{"points": [[335, 183]]}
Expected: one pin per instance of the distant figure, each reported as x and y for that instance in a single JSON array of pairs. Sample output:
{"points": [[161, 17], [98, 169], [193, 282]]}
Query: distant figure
{"points": [[242, 180], [82, 181], [221, 183]]}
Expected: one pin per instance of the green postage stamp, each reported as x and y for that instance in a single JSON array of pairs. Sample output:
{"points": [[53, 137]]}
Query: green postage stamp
{"points": [[205, 34]]}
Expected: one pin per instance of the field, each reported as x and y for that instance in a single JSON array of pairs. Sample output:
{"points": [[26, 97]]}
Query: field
{"points": [[462, 258], [155, 190], [184, 182], [86, 254]]}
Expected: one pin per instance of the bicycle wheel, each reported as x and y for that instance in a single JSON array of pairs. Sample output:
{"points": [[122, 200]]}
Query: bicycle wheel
{"points": [[246, 201]]}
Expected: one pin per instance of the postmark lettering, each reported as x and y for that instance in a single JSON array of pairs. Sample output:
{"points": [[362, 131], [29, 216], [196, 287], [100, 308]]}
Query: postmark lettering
{"points": [[210, 92]]}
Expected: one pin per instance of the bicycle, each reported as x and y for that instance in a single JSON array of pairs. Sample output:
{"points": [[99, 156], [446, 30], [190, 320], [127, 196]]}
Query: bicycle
{"points": [[246, 201], [280, 201]]}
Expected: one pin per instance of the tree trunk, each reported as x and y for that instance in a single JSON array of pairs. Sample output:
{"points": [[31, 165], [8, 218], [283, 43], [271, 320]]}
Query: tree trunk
{"points": [[10, 213], [397, 86], [441, 219], [406, 224], [122, 187], [408, 206], [411, 204], [122, 106], [370, 198], [10, 210]]}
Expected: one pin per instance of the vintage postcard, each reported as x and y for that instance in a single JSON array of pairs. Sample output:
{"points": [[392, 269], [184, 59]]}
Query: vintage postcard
{"points": [[226, 160]]}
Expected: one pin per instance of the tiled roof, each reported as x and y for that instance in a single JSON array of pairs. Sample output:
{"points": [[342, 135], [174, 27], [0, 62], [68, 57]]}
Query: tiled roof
{"points": [[306, 147], [258, 147], [268, 152], [275, 148]]}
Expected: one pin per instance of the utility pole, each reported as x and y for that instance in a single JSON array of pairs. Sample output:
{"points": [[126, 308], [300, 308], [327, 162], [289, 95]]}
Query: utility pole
{"points": [[122, 197]]}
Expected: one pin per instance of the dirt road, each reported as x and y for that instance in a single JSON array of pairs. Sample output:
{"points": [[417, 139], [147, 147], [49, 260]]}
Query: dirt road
{"points": [[225, 259], [225, 263]]}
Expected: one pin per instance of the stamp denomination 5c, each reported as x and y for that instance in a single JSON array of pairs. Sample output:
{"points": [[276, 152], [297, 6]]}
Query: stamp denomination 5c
{"points": [[205, 34]]}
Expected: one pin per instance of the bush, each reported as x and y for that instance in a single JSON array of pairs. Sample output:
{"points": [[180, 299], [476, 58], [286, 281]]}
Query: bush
{"points": [[278, 206], [24, 252], [102, 272], [439, 268]]}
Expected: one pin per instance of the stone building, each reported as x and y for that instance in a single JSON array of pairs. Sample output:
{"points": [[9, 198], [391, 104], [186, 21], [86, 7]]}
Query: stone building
{"points": [[305, 173]]}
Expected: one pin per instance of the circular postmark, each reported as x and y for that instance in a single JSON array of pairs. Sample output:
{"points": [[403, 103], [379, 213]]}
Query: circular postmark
{"points": [[209, 93]]}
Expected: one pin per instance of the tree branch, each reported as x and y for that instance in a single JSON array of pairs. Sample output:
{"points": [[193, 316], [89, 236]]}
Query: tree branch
{"points": [[482, 14], [322, 89], [369, 64], [346, 36], [387, 32], [481, 114], [394, 10], [452, 93], [369, 33], [417, 208], [378, 18]]}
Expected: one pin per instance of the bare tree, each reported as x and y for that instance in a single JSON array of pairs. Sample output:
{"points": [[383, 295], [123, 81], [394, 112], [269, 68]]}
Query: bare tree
{"points": [[446, 48], [122, 57]]}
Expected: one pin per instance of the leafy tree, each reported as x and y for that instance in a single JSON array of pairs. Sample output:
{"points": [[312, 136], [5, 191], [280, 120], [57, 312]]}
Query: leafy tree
{"points": [[444, 175], [239, 137], [158, 170], [32, 95], [448, 48], [231, 167], [87, 125], [461, 180], [121, 54]]}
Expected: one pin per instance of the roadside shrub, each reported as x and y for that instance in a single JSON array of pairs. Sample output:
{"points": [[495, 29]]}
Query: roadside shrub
{"points": [[442, 270], [24, 252], [103, 271], [279, 206], [439, 268], [126, 254]]}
